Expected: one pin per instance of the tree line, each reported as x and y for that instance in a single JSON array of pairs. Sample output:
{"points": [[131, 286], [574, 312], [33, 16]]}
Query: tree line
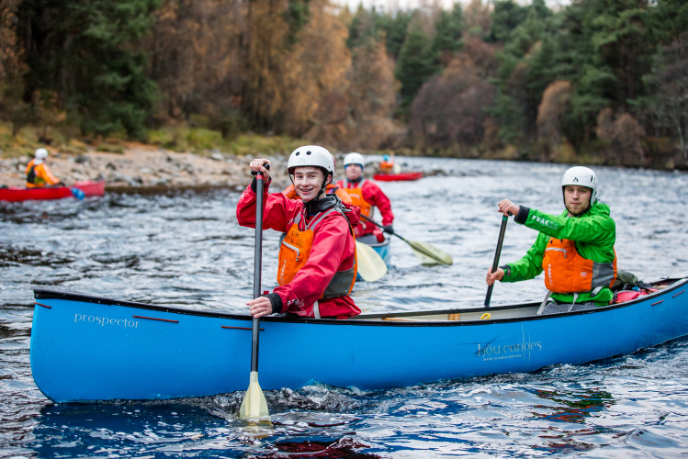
{"points": [[598, 80]]}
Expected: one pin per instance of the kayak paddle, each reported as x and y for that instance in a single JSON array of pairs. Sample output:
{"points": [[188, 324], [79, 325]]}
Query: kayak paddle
{"points": [[371, 266], [254, 404], [428, 253], [77, 193], [495, 263]]}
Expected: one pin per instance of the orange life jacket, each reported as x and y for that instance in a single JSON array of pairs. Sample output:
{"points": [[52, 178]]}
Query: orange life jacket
{"points": [[295, 250], [568, 272], [386, 166], [38, 175], [356, 195]]}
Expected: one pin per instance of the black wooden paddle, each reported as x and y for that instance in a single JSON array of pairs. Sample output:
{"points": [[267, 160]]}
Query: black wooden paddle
{"points": [[498, 252], [254, 404]]}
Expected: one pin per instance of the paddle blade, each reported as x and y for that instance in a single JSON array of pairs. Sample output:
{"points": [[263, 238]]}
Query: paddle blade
{"points": [[429, 254], [371, 266], [254, 405], [77, 193]]}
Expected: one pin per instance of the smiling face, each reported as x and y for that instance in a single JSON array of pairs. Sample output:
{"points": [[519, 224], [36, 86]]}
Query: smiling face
{"points": [[577, 199], [307, 181], [353, 171]]}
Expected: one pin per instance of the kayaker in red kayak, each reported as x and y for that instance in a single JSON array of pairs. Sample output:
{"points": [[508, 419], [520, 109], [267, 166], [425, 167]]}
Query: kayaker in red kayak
{"points": [[387, 164], [37, 172], [366, 195], [317, 258], [575, 249]]}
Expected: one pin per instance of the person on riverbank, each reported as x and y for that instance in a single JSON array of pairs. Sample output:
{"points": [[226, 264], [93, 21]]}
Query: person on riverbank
{"points": [[366, 195], [37, 172], [317, 259], [575, 248], [291, 193]]}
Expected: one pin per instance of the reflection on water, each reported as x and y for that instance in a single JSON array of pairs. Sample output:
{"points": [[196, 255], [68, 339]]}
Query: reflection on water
{"points": [[185, 248]]}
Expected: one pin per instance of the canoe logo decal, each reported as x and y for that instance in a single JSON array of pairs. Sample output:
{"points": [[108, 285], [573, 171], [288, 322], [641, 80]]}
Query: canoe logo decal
{"points": [[507, 351], [102, 321]]}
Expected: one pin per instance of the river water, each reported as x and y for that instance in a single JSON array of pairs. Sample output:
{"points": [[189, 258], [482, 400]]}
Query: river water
{"points": [[185, 248]]}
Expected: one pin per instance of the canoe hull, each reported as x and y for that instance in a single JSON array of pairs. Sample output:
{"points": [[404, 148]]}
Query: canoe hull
{"points": [[16, 194], [95, 349], [403, 177]]}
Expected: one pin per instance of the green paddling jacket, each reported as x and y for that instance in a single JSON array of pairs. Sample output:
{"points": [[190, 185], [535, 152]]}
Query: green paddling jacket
{"points": [[594, 234]]}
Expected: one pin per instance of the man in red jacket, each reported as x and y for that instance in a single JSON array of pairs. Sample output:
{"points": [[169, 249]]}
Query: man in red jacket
{"points": [[317, 258], [366, 195]]}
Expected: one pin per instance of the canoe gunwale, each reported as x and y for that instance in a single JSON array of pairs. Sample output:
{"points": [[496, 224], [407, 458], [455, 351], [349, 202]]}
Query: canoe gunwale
{"points": [[366, 320]]}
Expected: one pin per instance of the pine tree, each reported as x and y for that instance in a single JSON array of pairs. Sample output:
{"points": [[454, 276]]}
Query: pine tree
{"points": [[415, 64], [448, 36]]}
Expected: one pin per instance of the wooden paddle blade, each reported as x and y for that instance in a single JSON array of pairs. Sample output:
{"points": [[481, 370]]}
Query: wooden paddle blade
{"points": [[429, 254], [371, 266], [254, 405]]}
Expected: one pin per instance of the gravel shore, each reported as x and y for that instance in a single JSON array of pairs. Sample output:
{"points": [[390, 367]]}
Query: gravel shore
{"points": [[143, 166]]}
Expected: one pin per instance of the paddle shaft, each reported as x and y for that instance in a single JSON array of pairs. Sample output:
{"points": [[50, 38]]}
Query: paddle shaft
{"points": [[418, 249], [498, 252], [380, 226], [257, 264]]}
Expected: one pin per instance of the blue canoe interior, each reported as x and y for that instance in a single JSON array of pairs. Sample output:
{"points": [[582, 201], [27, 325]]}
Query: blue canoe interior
{"points": [[86, 348]]}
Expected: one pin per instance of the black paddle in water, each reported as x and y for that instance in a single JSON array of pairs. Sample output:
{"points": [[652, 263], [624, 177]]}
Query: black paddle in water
{"points": [[254, 404], [498, 252]]}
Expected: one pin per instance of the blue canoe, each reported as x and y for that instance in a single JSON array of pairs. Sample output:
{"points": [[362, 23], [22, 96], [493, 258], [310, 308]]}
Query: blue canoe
{"points": [[85, 348]]}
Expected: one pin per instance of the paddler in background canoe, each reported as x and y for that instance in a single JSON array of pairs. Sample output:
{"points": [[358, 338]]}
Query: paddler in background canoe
{"points": [[37, 172], [317, 259], [387, 164], [291, 193], [575, 248], [366, 195]]}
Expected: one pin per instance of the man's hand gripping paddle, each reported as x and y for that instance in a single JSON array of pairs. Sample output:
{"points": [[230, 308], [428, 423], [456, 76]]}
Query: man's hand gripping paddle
{"points": [[254, 404], [428, 253]]}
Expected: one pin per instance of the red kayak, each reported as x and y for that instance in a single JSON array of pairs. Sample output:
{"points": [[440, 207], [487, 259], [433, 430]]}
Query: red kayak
{"points": [[404, 176], [15, 194]]}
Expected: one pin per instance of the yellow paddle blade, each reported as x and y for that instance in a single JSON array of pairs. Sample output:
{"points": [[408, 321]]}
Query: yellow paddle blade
{"points": [[429, 254], [371, 266], [254, 404]]}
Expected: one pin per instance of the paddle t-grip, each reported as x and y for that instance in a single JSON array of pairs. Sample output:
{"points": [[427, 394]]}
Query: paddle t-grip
{"points": [[498, 253]]}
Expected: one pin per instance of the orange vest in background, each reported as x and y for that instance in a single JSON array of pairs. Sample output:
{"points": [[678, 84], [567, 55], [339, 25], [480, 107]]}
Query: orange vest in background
{"points": [[568, 272], [356, 196], [295, 250], [39, 175]]}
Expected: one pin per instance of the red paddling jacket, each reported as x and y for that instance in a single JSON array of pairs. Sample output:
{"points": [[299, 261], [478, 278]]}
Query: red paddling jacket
{"points": [[332, 252], [372, 196]]}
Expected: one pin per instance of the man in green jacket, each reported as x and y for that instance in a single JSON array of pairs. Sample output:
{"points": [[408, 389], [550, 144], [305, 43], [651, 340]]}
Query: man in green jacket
{"points": [[575, 248]]}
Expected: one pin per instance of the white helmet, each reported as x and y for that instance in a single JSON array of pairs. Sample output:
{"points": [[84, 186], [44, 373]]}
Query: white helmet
{"points": [[581, 176], [354, 158], [40, 155], [311, 155]]}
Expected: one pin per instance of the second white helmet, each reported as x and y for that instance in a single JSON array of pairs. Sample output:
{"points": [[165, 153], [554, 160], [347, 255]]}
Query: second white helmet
{"points": [[311, 155], [581, 176], [354, 158]]}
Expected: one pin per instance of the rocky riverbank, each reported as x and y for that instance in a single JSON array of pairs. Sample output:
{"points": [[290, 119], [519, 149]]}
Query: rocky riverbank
{"points": [[143, 166]]}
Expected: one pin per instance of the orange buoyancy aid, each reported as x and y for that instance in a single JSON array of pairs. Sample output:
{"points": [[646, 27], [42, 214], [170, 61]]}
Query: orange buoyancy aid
{"points": [[38, 175], [356, 195], [568, 272], [295, 250]]}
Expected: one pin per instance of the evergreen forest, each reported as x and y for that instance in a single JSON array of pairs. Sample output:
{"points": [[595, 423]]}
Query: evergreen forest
{"points": [[596, 81]]}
